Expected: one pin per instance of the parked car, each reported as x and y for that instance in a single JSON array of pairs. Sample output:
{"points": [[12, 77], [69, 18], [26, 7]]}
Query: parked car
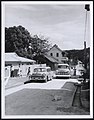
{"points": [[41, 74], [62, 71]]}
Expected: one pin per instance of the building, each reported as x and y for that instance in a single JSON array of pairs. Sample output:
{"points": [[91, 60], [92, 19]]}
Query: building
{"points": [[58, 54], [13, 59], [18, 63], [52, 58], [48, 60], [80, 68]]}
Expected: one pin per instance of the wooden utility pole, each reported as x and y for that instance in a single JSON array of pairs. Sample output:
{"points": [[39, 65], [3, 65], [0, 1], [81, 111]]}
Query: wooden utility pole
{"points": [[77, 93], [85, 61], [85, 54]]}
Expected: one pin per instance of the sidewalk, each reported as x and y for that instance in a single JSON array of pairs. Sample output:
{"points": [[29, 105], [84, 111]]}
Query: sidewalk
{"points": [[15, 81]]}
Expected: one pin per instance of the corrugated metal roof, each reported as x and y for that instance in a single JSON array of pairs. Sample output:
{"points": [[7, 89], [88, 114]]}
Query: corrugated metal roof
{"points": [[13, 57]]}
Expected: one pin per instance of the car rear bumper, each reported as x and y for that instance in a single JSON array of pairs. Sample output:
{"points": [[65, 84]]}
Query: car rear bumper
{"points": [[37, 78], [61, 76]]}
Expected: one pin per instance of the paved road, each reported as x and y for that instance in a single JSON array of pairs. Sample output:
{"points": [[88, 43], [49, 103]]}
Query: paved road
{"points": [[50, 85], [54, 84]]}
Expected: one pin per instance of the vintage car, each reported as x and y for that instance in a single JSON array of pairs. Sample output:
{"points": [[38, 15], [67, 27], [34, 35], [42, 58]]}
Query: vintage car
{"points": [[63, 71], [41, 74]]}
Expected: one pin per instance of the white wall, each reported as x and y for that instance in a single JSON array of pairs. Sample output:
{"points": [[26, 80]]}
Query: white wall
{"points": [[60, 58], [54, 51], [24, 68], [7, 75]]}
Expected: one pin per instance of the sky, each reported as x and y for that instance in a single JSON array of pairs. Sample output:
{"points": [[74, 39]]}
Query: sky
{"points": [[63, 24]]}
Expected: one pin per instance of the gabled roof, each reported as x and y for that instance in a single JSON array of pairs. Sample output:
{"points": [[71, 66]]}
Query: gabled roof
{"points": [[13, 57], [56, 46]]}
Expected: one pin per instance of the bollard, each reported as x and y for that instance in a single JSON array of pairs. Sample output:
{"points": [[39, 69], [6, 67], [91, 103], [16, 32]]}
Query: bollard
{"points": [[77, 96]]}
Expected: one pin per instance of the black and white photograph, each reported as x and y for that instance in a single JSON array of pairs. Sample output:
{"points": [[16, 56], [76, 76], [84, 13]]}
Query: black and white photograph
{"points": [[47, 59]]}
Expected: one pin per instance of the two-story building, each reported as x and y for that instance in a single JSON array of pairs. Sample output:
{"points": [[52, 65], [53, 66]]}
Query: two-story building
{"points": [[58, 54], [52, 57]]}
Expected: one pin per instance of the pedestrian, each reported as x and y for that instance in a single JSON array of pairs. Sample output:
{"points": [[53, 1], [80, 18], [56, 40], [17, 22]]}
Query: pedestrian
{"points": [[12, 71], [74, 71], [19, 71], [28, 73]]}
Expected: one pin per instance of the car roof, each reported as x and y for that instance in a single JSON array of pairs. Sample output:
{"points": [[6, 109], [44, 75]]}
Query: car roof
{"points": [[42, 67], [64, 64]]}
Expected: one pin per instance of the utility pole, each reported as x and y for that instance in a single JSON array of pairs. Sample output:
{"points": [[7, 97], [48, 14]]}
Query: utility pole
{"points": [[85, 54], [77, 93], [85, 61]]}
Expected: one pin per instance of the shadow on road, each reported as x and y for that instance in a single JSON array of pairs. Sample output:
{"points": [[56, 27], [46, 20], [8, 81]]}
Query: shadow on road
{"points": [[33, 81]]}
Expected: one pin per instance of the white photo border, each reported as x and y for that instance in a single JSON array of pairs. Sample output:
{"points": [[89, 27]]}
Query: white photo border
{"points": [[3, 59]]}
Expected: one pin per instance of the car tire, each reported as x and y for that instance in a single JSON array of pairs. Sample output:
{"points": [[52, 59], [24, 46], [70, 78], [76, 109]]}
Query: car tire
{"points": [[51, 78]]}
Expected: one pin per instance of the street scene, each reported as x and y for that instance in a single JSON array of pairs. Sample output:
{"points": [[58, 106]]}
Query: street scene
{"points": [[46, 60]]}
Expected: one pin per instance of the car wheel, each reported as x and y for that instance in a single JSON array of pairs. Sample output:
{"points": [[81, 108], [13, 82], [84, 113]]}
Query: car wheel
{"points": [[51, 78]]}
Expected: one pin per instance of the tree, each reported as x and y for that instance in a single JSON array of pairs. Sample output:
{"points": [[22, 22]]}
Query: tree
{"points": [[78, 55], [19, 40], [40, 45]]}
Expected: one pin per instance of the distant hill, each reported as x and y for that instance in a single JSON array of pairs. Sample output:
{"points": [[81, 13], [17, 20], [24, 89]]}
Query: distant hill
{"points": [[78, 54]]}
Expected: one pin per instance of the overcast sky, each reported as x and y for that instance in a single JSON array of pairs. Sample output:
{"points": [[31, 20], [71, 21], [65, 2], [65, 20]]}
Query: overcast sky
{"points": [[63, 24]]}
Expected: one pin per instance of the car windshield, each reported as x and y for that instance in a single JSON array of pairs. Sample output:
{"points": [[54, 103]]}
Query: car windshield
{"points": [[39, 70], [62, 66]]}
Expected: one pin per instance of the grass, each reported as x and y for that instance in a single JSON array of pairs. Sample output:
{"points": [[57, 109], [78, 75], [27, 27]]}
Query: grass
{"points": [[43, 102]]}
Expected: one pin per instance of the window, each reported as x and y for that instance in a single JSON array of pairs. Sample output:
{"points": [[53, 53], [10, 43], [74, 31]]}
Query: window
{"points": [[63, 61], [63, 54], [57, 54], [51, 54]]}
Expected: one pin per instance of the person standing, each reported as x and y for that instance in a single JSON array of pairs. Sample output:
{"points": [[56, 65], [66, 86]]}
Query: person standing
{"points": [[12, 71], [28, 73], [19, 71], [74, 71]]}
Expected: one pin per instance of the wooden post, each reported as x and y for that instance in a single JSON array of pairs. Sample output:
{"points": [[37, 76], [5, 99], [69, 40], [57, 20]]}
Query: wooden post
{"points": [[85, 61], [87, 7]]}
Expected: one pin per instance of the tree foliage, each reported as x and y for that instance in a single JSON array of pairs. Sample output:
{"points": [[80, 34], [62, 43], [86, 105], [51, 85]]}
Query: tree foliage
{"points": [[19, 40], [78, 55], [40, 45]]}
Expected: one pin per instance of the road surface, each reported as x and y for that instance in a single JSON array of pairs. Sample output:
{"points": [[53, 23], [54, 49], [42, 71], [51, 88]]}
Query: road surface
{"points": [[52, 98], [54, 84]]}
